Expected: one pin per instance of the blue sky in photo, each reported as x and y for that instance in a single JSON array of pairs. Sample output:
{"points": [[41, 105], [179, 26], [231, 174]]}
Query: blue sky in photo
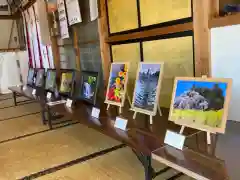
{"points": [[183, 85], [154, 67], [115, 69]]}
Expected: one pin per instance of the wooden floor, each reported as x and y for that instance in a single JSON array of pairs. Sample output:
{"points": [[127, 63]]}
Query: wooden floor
{"points": [[28, 149]]}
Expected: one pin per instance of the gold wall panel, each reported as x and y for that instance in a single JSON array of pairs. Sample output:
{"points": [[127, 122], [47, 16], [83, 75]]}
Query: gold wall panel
{"points": [[128, 53], [122, 15], [177, 55], [159, 11]]}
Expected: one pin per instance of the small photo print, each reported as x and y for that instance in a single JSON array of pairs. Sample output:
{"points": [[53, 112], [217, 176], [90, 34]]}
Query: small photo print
{"points": [[89, 86], [117, 83], [66, 82]]}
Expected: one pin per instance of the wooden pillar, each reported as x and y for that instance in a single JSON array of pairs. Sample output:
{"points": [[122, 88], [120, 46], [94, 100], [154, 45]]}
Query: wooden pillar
{"points": [[104, 46], [76, 48], [54, 45], [203, 11]]}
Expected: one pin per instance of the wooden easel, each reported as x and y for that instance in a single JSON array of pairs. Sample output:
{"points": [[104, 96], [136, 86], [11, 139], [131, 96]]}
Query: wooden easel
{"points": [[151, 117], [208, 135], [120, 107]]}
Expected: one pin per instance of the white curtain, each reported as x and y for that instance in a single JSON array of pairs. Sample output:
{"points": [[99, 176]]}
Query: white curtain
{"points": [[10, 75]]}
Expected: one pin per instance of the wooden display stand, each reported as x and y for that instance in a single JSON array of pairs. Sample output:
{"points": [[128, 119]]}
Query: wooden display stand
{"points": [[117, 104], [208, 135], [190, 121], [156, 106], [150, 115]]}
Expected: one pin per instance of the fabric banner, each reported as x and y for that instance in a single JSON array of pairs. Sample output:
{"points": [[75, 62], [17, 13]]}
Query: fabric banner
{"points": [[30, 33], [27, 40], [73, 12], [40, 54], [63, 19], [93, 4]]}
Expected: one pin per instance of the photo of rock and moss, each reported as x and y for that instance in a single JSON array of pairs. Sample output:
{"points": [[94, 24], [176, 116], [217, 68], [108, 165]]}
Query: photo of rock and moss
{"points": [[117, 82], [146, 86], [200, 102]]}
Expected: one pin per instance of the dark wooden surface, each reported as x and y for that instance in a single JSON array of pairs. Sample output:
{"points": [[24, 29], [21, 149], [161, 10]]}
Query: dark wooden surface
{"points": [[197, 156]]}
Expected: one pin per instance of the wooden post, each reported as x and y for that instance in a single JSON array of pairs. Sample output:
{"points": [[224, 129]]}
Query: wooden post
{"points": [[104, 46], [203, 11], [76, 47], [54, 45]]}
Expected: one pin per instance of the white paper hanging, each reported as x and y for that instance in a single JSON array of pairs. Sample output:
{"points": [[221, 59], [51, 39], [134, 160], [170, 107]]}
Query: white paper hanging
{"points": [[73, 12], [63, 19], [93, 4]]}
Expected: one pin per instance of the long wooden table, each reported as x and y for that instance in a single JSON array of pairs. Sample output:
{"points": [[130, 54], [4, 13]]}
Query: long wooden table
{"points": [[146, 141]]}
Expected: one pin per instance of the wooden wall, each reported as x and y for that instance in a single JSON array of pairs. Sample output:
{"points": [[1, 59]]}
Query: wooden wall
{"points": [[176, 32]]}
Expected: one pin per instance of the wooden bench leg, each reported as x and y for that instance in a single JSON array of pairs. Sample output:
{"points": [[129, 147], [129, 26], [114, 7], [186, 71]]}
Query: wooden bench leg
{"points": [[49, 118], [15, 98]]}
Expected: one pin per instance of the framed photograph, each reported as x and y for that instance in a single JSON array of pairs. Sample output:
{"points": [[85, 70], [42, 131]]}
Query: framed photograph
{"points": [[201, 103], [66, 86], [50, 84], [40, 78], [89, 85], [147, 88], [31, 77], [117, 83]]}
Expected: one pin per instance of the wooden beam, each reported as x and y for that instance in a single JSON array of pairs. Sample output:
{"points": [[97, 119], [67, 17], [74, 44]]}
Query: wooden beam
{"points": [[76, 48], [54, 45], [10, 49], [214, 8], [104, 46], [151, 33], [203, 12], [225, 21], [7, 17]]}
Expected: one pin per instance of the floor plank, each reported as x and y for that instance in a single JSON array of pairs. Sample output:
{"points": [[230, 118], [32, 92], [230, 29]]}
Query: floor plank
{"points": [[19, 111], [17, 127], [9, 102], [35, 153], [5, 96], [117, 165]]}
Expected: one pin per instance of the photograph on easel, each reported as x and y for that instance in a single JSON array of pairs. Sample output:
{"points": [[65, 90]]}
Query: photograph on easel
{"points": [[201, 103], [89, 85], [147, 88], [117, 83], [30, 77], [51, 80], [66, 82], [40, 77]]}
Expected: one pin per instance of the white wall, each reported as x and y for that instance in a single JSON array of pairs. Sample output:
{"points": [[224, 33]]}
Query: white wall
{"points": [[9, 72], [225, 62], [22, 56], [5, 33]]}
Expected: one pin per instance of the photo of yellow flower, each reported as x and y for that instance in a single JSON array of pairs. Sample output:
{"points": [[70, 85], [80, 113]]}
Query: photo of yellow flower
{"points": [[117, 83], [120, 74]]}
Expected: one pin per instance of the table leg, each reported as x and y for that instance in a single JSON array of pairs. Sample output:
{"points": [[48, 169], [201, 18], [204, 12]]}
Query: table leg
{"points": [[49, 117], [43, 116], [148, 168], [15, 98]]}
